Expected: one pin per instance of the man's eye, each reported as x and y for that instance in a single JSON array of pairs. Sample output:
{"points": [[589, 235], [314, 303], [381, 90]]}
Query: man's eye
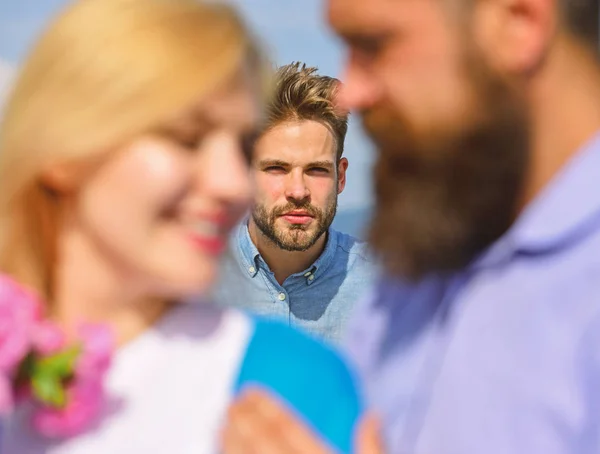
{"points": [[369, 47], [274, 169], [318, 170]]}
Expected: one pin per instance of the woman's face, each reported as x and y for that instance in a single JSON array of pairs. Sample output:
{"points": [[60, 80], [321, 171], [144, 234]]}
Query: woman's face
{"points": [[160, 209]]}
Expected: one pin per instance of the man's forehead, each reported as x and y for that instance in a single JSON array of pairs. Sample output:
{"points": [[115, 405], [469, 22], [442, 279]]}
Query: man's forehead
{"points": [[372, 18], [296, 152], [349, 17]]}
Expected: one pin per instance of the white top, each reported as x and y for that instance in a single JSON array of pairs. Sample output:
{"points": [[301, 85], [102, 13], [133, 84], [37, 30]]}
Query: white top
{"points": [[169, 388]]}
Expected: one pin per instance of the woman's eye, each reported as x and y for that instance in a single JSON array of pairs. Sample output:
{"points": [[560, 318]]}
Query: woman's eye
{"points": [[189, 140], [191, 143]]}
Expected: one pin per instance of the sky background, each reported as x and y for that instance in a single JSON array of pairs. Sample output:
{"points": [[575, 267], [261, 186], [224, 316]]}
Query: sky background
{"points": [[292, 30]]}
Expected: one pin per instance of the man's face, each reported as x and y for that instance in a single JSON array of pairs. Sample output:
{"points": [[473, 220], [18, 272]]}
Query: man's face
{"points": [[451, 133], [298, 180]]}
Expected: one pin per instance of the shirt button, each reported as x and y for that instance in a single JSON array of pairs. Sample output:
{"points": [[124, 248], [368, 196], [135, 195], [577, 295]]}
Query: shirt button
{"points": [[307, 274], [281, 296], [311, 277], [251, 270]]}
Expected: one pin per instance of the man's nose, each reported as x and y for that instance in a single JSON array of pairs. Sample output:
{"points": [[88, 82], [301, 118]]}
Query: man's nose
{"points": [[296, 188], [359, 90]]}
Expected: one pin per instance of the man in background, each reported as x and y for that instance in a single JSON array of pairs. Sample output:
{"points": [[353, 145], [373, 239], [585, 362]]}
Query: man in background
{"points": [[484, 335], [286, 261]]}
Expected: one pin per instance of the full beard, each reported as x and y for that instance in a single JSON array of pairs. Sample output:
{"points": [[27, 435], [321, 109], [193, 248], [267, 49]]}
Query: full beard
{"points": [[441, 199], [298, 237]]}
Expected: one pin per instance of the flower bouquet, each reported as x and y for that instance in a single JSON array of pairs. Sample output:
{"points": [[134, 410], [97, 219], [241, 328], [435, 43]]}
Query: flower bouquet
{"points": [[63, 381]]}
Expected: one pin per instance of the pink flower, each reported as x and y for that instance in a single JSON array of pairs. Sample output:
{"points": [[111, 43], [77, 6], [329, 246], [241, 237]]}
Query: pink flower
{"points": [[65, 383], [82, 410], [20, 311], [98, 347], [86, 393], [48, 338]]}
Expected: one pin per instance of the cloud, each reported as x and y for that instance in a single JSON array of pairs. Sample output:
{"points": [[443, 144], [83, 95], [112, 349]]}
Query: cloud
{"points": [[6, 77]]}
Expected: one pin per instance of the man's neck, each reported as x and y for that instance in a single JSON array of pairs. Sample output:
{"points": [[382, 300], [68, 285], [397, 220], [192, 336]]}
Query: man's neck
{"points": [[565, 114], [284, 263]]}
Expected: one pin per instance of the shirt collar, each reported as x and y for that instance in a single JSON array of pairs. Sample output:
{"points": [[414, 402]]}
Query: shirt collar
{"points": [[247, 251], [252, 260], [327, 256], [563, 212]]}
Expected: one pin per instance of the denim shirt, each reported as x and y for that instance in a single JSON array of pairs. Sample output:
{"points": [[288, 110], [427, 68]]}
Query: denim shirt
{"points": [[318, 300]]}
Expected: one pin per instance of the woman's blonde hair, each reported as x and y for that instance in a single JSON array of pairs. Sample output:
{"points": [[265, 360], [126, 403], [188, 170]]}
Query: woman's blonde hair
{"points": [[103, 72]]}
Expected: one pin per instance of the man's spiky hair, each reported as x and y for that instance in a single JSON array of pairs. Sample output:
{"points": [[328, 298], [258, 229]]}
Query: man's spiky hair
{"points": [[302, 94]]}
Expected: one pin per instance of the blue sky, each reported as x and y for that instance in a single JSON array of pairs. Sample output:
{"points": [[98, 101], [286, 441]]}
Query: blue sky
{"points": [[292, 30]]}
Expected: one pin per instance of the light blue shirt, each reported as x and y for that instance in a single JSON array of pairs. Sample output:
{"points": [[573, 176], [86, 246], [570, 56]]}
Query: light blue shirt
{"points": [[504, 357], [318, 300]]}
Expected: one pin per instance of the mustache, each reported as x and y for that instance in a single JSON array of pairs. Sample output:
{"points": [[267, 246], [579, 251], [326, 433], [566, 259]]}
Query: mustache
{"points": [[381, 124], [392, 134]]}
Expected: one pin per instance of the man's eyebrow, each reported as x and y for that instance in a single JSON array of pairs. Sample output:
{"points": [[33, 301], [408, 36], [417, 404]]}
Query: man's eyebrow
{"points": [[355, 37], [273, 163], [326, 164], [365, 40]]}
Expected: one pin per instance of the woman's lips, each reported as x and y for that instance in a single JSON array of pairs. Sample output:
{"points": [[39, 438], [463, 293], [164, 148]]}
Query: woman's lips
{"points": [[209, 244], [209, 233]]}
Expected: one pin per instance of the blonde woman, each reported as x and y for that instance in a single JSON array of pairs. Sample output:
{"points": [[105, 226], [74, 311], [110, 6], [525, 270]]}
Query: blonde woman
{"points": [[123, 166]]}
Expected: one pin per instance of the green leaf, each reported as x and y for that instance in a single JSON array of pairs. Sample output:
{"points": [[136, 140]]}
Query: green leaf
{"points": [[59, 365], [48, 390]]}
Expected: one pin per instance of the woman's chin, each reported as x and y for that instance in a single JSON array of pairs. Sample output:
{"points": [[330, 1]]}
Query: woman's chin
{"points": [[191, 285]]}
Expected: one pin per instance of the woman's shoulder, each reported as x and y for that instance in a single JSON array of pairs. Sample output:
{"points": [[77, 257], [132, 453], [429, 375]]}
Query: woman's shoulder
{"points": [[312, 377], [193, 324], [179, 350]]}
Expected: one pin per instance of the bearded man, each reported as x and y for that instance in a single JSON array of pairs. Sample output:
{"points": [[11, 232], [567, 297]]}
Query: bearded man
{"points": [[483, 336], [286, 261]]}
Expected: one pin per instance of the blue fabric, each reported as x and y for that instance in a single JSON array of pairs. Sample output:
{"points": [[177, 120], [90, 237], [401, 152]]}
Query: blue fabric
{"points": [[310, 377], [318, 299], [504, 356]]}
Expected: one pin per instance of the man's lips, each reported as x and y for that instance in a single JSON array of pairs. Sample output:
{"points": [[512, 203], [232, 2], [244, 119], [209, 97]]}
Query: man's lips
{"points": [[297, 217]]}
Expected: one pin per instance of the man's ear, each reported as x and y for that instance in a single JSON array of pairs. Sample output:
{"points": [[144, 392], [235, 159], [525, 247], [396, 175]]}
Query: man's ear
{"points": [[341, 174], [515, 35]]}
